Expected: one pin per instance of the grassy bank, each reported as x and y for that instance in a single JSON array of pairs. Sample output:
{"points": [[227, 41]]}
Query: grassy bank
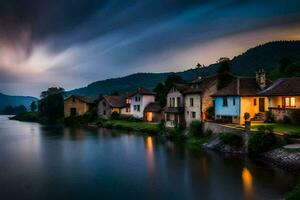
{"points": [[291, 129], [27, 117], [294, 194], [130, 125]]}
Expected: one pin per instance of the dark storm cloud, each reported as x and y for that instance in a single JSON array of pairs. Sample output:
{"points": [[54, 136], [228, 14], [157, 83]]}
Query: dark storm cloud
{"points": [[60, 41]]}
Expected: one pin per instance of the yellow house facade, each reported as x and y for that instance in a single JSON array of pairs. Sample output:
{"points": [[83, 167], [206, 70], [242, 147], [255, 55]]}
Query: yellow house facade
{"points": [[76, 105]]}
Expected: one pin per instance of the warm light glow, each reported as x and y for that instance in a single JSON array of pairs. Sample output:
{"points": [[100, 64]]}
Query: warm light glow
{"points": [[248, 183], [150, 156], [149, 116]]}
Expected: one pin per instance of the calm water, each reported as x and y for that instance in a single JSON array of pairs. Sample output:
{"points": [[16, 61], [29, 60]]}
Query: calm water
{"points": [[39, 162]]}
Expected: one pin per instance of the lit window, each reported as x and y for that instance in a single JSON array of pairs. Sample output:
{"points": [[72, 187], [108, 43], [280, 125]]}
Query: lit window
{"points": [[290, 101]]}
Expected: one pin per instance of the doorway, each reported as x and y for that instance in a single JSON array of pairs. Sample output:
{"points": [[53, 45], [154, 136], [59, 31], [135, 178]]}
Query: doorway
{"points": [[261, 104], [73, 112]]}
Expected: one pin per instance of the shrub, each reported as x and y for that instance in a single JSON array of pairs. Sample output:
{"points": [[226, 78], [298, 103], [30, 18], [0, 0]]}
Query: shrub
{"points": [[162, 125], [115, 115], [262, 141], [196, 128], [296, 116], [286, 120], [232, 139], [246, 116], [210, 112], [269, 117], [294, 194]]}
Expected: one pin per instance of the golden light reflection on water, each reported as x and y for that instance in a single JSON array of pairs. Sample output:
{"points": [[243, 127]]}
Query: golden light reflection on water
{"points": [[150, 155], [247, 183]]}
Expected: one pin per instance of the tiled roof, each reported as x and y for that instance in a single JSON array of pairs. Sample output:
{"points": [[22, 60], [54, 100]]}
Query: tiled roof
{"points": [[241, 86], [201, 84], [181, 87], [142, 91], [153, 107], [116, 101], [84, 99], [283, 87]]}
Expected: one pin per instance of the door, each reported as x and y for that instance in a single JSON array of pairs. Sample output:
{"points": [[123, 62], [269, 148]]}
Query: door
{"points": [[73, 112], [261, 104]]}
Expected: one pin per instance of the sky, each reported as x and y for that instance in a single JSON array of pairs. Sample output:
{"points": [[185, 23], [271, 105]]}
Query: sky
{"points": [[71, 43]]}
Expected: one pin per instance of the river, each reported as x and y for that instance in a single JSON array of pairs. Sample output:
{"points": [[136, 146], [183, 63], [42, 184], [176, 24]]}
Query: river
{"points": [[47, 162]]}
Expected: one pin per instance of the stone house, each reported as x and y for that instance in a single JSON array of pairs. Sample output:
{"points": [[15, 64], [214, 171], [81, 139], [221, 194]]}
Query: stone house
{"points": [[197, 99], [75, 105], [139, 100], [110, 104], [283, 97]]}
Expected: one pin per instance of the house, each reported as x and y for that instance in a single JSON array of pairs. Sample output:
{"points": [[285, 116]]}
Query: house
{"points": [[283, 97], [241, 96], [153, 113], [174, 110], [77, 105], [139, 100], [110, 104], [198, 99]]}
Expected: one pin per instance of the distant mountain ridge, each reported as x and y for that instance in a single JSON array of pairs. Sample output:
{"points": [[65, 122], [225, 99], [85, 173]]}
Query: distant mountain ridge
{"points": [[6, 100], [265, 56]]}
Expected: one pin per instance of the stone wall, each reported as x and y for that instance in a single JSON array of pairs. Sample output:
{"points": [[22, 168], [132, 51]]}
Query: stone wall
{"points": [[221, 128]]}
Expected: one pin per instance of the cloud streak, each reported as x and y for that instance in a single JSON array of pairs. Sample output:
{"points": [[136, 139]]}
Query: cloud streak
{"points": [[72, 44]]}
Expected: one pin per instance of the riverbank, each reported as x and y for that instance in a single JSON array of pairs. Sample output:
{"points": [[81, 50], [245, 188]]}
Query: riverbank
{"points": [[27, 117]]}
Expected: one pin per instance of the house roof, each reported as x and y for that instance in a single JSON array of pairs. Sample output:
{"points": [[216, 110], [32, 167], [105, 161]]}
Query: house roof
{"points": [[241, 86], [142, 91], [283, 87], [115, 101], [84, 99], [153, 107], [201, 84], [181, 87]]}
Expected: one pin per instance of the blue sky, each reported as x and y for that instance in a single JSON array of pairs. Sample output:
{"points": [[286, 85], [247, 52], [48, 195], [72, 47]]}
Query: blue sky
{"points": [[72, 43]]}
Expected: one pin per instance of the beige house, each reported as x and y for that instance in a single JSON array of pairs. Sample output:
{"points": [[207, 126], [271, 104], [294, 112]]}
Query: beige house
{"points": [[77, 105], [197, 99]]}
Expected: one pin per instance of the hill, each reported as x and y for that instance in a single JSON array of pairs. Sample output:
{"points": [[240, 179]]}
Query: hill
{"points": [[6, 100], [265, 56]]}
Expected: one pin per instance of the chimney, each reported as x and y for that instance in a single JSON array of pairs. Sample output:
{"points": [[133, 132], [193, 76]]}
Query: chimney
{"points": [[261, 78]]}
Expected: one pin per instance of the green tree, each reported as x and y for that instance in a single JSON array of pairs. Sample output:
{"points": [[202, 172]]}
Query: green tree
{"points": [[224, 76], [51, 105], [33, 106]]}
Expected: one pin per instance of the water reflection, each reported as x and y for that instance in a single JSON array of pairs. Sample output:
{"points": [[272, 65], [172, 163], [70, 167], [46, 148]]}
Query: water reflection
{"points": [[247, 183], [150, 154]]}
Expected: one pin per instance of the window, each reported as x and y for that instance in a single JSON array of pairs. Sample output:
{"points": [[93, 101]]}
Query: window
{"points": [[178, 101], [191, 102], [104, 112], [128, 101], [134, 107], [138, 108], [73, 99], [254, 102], [170, 102], [137, 99], [289, 101], [127, 109], [225, 103], [173, 102], [233, 101], [193, 115]]}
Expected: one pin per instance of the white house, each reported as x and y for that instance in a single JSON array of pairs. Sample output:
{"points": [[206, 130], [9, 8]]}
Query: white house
{"points": [[139, 100]]}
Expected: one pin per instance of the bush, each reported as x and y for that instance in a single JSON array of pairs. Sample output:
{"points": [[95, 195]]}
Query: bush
{"points": [[162, 125], [196, 128], [232, 139], [115, 115], [262, 141], [210, 112], [296, 116], [286, 120], [269, 117], [294, 194]]}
